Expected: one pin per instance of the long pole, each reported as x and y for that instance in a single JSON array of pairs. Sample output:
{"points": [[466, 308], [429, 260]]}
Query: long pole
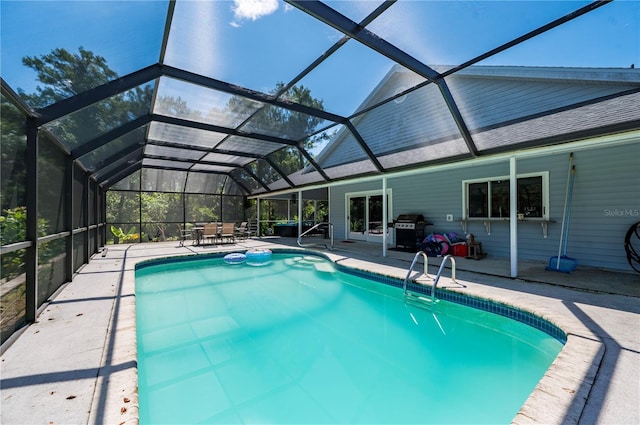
{"points": [[564, 211], [566, 230]]}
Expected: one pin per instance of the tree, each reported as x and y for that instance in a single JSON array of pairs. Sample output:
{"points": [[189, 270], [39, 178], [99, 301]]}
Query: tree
{"points": [[158, 209], [172, 106], [283, 123], [65, 74], [13, 156], [123, 210]]}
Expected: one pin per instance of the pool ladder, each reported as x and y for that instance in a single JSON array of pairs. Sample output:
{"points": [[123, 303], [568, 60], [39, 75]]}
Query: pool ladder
{"points": [[413, 296]]}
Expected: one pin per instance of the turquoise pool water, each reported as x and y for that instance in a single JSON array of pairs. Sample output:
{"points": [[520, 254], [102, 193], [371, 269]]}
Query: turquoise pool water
{"points": [[298, 342]]}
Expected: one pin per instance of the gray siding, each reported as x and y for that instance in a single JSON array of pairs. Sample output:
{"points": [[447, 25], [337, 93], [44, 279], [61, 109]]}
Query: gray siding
{"points": [[606, 202]]}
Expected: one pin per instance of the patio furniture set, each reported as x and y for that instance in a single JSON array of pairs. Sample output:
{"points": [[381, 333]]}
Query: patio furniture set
{"points": [[215, 233]]}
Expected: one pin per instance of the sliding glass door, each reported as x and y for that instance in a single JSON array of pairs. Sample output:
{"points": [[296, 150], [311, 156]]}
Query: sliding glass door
{"points": [[364, 216]]}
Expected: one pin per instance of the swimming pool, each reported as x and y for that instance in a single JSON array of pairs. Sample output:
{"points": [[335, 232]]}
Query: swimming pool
{"points": [[299, 341]]}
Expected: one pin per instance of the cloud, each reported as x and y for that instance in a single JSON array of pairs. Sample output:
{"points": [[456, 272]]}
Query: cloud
{"points": [[253, 9]]}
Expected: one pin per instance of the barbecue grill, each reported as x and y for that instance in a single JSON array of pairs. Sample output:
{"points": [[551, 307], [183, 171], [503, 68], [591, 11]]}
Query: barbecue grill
{"points": [[409, 230]]}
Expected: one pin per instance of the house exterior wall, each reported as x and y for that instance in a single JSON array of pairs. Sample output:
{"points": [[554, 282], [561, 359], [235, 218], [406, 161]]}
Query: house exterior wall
{"points": [[606, 202]]}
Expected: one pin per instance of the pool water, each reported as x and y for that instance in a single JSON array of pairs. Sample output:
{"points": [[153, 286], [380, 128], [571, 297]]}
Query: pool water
{"points": [[297, 342]]}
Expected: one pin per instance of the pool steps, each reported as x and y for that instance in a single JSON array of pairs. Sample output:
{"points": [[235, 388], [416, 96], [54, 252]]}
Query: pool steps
{"points": [[319, 263]]}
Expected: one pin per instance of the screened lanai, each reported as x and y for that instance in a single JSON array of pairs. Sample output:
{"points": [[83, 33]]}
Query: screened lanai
{"points": [[140, 117]]}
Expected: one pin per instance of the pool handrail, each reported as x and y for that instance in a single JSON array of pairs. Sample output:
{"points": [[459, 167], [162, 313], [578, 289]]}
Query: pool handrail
{"points": [[326, 223], [413, 263], [453, 274], [437, 278]]}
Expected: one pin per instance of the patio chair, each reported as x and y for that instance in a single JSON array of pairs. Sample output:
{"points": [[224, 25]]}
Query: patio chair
{"points": [[184, 234], [252, 229], [210, 232], [241, 231], [227, 232]]}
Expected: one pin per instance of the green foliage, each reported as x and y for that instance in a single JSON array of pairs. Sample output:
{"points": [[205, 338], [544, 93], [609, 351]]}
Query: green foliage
{"points": [[357, 226], [13, 228], [156, 206], [160, 208], [311, 209], [120, 235], [14, 143], [65, 74], [207, 214], [286, 124], [13, 225], [122, 207]]}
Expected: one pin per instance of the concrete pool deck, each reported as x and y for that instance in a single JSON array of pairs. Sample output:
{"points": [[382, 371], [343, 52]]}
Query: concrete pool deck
{"points": [[77, 363]]}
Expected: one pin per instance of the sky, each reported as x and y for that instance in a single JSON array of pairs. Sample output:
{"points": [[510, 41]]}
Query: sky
{"points": [[258, 43]]}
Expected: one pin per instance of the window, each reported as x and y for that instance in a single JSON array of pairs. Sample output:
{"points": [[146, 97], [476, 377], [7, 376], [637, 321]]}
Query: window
{"points": [[490, 198]]}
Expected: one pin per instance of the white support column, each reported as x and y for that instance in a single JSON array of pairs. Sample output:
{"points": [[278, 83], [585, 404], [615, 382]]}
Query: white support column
{"points": [[384, 217], [329, 209], [513, 215], [315, 211], [299, 212], [258, 217]]}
